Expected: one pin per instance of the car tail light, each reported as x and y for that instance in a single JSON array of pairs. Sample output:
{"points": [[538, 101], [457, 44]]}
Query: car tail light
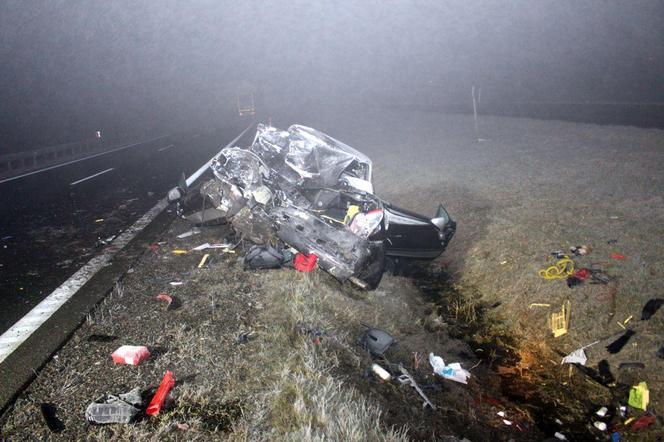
{"points": [[366, 224]]}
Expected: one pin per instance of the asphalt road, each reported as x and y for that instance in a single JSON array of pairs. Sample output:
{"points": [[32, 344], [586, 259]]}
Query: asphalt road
{"points": [[54, 221]]}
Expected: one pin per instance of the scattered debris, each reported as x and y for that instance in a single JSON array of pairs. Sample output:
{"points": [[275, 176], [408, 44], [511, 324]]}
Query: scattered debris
{"points": [[48, 412], [643, 422], [578, 356], [573, 281], [451, 371], [244, 337], [381, 372], [182, 426], [559, 322], [104, 242], [406, 379], [189, 233], [619, 343], [207, 245], [179, 252], [110, 409], [602, 412], [65, 263], [582, 274], [538, 304], [313, 332], [157, 402], [305, 263], [204, 260], [559, 254], [627, 365], [263, 257], [612, 241], [561, 270], [599, 276], [130, 354], [601, 426], [579, 250], [639, 396], [164, 297], [176, 283], [618, 256], [375, 341], [604, 372], [651, 308]]}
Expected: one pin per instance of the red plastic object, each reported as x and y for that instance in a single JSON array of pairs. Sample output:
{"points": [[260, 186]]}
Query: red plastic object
{"points": [[167, 384], [130, 354], [304, 262], [642, 422], [615, 255], [582, 274], [164, 297]]}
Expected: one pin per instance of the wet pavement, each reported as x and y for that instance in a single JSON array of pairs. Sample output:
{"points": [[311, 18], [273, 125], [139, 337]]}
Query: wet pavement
{"points": [[54, 221]]}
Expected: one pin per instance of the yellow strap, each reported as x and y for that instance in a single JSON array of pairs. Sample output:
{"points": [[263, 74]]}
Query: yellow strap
{"points": [[561, 270]]}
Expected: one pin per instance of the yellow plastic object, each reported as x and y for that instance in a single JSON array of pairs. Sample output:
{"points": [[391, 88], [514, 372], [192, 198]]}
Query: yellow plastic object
{"points": [[203, 260], [350, 213], [639, 396], [561, 270], [559, 322], [179, 252], [539, 304]]}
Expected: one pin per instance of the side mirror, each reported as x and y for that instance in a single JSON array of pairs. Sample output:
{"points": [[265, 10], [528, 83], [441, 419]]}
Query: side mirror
{"points": [[441, 218]]}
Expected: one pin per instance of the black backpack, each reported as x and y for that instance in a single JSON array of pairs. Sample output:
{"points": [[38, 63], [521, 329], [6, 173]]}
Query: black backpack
{"points": [[263, 257]]}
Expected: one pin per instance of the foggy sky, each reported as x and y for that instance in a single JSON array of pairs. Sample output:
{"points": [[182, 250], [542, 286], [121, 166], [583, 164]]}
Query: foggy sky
{"points": [[69, 67]]}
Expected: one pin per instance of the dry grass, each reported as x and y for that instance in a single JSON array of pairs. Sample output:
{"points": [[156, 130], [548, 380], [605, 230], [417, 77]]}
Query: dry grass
{"points": [[301, 399]]}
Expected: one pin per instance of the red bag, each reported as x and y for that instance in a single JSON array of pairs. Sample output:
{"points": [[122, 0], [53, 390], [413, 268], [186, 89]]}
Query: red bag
{"points": [[130, 354], [304, 262]]}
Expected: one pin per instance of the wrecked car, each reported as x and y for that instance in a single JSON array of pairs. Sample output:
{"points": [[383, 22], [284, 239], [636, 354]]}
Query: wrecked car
{"points": [[315, 194]]}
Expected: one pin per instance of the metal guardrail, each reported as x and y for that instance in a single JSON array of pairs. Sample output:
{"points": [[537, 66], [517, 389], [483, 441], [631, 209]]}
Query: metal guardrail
{"points": [[14, 164]]}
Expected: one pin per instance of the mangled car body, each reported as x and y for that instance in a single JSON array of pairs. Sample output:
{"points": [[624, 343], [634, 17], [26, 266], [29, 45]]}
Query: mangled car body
{"points": [[315, 194]]}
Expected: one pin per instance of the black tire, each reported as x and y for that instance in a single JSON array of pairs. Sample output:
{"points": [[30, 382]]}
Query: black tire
{"points": [[373, 271]]}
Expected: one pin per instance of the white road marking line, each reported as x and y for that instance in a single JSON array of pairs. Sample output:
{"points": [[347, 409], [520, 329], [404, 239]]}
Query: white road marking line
{"points": [[164, 148], [91, 176], [126, 146], [19, 332], [35, 318]]}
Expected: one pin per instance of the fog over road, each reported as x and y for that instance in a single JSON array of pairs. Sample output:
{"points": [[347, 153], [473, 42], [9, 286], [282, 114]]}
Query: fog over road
{"points": [[52, 221]]}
